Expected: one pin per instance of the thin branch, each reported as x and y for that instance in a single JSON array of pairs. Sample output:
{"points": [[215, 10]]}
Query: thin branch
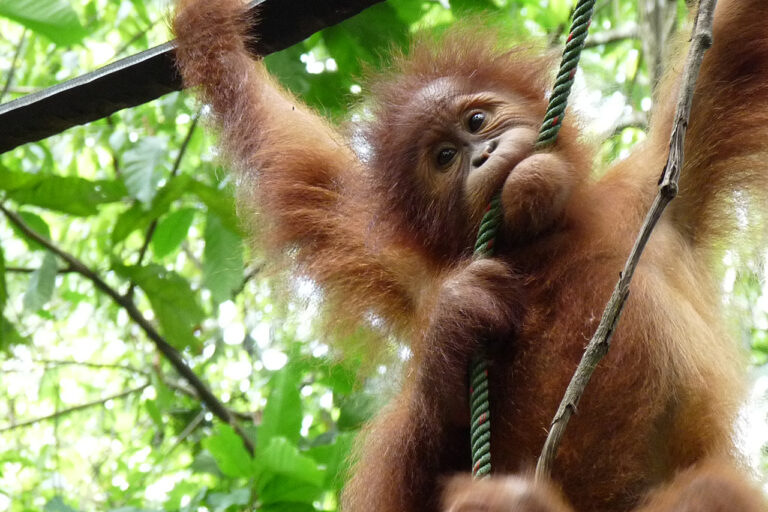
{"points": [[15, 60], [668, 185], [635, 119], [64, 412], [138, 35], [187, 250], [88, 364], [173, 356], [245, 416], [112, 152], [628, 31], [256, 270], [186, 432], [153, 224], [553, 39], [253, 417], [28, 270]]}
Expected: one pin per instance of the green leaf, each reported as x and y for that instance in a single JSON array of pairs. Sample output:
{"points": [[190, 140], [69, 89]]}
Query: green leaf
{"points": [[181, 493], [205, 463], [219, 201], [54, 19], [171, 231], [12, 180], [464, 6], [127, 222], [283, 457], [173, 302], [68, 194], [136, 217], [355, 410], [37, 224], [9, 336], [222, 501], [282, 414], [341, 378], [143, 167], [287, 475], [168, 194], [229, 452], [334, 457], [41, 284], [222, 260], [326, 91], [370, 34], [154, 412], [8, 333], [409, 11]]}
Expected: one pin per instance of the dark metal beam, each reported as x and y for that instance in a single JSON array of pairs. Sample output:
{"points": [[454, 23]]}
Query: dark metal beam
{"points": [[152, 73]]}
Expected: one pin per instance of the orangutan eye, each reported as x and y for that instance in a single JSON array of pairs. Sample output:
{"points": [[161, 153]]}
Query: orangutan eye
{"points": [[476, 121], [445, 156]]}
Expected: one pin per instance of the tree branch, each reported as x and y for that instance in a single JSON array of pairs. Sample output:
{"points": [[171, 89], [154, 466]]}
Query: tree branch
{"points": [[112, 152], [628, 31], [80, 407], [242, 415], [29, 270], [668, 185], [173, 356], [138, 35], [12, 71], [248, 276], [88, 364], [635, 119]]}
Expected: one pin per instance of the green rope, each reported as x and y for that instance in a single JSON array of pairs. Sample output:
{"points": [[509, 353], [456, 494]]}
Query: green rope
{"points": [[489, 226], [479, 407], [480, 425], [480, 429], [553, 119]]}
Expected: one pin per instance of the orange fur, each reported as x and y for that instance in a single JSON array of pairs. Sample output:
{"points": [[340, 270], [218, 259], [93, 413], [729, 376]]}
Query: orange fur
{"points": [[712, 486], [388, 234], [508, 494]]}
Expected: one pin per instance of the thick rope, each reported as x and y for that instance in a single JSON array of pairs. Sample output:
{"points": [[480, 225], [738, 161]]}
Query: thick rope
{"points": [[480, 425], [479, 406], [553, 119]]}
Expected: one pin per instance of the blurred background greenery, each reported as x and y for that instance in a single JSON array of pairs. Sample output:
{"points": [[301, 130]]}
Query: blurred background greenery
{"points": [[93, 416]]}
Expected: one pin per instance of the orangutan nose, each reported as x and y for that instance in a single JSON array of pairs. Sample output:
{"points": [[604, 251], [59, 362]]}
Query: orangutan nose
{"points": [[480, 159]]}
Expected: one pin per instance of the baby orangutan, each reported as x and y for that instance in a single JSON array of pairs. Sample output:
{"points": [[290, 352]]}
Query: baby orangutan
{"points": [[385, 224]]}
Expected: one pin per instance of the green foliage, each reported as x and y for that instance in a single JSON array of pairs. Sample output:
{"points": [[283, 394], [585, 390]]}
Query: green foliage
{"points": [[41, 284], [71, 195], [229, 452], [171, 231], [222, 259], [155, 218], [54, 19], [36, 224], [173, 302], [282, 414], [143, 168]]}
